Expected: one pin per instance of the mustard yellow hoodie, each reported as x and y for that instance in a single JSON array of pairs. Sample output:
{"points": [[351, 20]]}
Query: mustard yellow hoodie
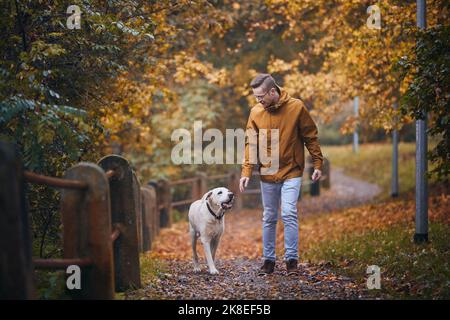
{"points": [[296, 130]]}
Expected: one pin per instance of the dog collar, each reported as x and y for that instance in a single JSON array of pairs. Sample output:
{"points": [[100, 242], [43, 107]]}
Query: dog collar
{"points": [[212, 212]]}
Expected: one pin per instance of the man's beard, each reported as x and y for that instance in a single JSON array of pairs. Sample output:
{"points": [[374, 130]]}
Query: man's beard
{"points": [[271, 107]]}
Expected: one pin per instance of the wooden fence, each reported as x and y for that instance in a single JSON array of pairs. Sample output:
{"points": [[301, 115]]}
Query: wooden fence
{"points": [[108, 218]]}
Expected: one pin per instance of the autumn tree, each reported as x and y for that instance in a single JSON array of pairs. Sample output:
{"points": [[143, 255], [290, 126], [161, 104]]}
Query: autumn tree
{"points": [[328, 52], [59, 87]]}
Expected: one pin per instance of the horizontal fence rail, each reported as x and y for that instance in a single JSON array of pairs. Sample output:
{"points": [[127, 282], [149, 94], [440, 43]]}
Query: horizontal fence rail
{"points": [[61, 263], [54, 182]]}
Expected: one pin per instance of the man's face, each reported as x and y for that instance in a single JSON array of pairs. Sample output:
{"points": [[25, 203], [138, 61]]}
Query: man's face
{"points": [[265, 97]]}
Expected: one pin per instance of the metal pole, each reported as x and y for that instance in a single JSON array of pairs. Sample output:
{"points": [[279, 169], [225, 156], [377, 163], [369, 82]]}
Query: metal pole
{"points": [[421, 234], [355, 133], [394, 190]]}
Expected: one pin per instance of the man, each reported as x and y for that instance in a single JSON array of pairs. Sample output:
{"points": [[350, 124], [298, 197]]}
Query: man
{"points": [[277, 110]]}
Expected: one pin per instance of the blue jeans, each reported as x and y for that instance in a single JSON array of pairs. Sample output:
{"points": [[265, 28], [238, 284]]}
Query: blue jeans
{"points": [[286, 191]]}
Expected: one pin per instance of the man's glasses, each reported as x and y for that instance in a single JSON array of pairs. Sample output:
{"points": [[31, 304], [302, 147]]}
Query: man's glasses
{"points": [[259, 98]]}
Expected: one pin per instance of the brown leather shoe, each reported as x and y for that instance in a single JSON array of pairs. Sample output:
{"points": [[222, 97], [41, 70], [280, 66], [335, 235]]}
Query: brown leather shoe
{"points": [[267, 267], [291, 267]]}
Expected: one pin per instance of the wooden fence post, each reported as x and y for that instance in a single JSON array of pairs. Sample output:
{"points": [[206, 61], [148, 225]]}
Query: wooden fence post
{"points": [[195, 191], [202, 184], [148, 217], [153, 185], [326, 171], [314, 187], [165, 201], [16, 269], [123, 211], [138, 209], [233, 186], [86, 216]]}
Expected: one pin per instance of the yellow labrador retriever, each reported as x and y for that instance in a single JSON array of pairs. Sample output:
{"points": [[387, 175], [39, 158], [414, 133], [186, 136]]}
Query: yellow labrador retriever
{"points": [[206, 222]]}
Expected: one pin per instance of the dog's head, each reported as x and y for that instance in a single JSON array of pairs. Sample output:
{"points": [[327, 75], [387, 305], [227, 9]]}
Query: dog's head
{"points": [[220, 197]]}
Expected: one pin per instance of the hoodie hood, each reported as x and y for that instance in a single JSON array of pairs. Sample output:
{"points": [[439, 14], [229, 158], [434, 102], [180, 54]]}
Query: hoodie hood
{"points": [[284, 97]]}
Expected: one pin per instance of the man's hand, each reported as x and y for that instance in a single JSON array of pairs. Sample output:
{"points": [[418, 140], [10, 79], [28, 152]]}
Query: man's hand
{"points": [[243, 183], [316, 175]]}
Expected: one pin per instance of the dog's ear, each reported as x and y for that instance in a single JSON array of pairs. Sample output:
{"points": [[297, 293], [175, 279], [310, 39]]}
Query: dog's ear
{"points": [[208, 195]]}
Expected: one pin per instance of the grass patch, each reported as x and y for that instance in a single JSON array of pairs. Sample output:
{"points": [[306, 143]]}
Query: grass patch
{"points": [[178, 215], [51, 285], [151, 268], [407, 270], [373, 163]]}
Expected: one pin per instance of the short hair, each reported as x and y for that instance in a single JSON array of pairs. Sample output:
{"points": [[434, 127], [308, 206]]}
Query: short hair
{"points": [[265, 80]]}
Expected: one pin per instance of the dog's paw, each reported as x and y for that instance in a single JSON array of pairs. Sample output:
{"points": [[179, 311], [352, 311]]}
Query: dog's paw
{"points": [[197, 269], [213, 271]]}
